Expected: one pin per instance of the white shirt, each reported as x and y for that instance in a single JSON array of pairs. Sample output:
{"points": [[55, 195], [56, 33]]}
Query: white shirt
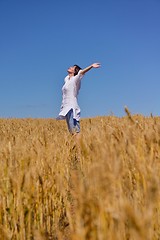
{"points": [[70, 91]]}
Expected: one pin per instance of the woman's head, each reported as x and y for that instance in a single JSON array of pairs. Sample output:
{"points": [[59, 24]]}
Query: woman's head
{"points": [[74, 70]]}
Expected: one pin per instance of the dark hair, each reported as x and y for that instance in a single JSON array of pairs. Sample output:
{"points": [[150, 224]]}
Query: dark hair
{"points": [[77, 68]]}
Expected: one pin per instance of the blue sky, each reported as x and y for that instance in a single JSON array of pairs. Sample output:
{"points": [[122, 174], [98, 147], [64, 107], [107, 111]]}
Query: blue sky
{"points": [[40, 39]]}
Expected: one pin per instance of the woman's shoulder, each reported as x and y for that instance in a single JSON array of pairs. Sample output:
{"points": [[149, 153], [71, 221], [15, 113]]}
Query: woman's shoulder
{"points": [[79, 75]]}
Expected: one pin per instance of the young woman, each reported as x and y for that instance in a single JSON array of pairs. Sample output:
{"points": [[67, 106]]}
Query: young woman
{"points": [[69, 108]]}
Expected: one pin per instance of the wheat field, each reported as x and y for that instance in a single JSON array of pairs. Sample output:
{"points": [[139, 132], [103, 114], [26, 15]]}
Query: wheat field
{"points": [[103, 186]]}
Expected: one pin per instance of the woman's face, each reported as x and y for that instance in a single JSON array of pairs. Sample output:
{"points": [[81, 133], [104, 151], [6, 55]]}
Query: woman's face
{"points": [[71, 69]]}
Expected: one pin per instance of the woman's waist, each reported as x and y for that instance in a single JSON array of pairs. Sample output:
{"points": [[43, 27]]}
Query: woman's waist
{"points": [[70, 100]]}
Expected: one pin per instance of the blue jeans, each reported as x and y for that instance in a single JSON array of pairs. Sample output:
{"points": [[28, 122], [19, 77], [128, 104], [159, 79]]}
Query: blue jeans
{"points": [[73, 124]]}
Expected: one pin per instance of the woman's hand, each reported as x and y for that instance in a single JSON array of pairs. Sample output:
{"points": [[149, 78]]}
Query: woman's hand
{"points": [[96, 65]]}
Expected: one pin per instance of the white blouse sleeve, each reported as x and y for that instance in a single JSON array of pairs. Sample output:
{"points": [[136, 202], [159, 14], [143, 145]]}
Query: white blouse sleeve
{"points": [[79, 76], [80, 73]]}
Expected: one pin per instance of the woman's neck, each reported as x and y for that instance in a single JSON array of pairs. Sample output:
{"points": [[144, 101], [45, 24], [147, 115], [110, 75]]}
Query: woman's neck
{"points": [[71, 75]]}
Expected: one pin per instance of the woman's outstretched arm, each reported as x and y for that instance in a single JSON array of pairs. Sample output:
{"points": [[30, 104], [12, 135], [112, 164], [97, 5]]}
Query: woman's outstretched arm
{"points": [[94, 65]]}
